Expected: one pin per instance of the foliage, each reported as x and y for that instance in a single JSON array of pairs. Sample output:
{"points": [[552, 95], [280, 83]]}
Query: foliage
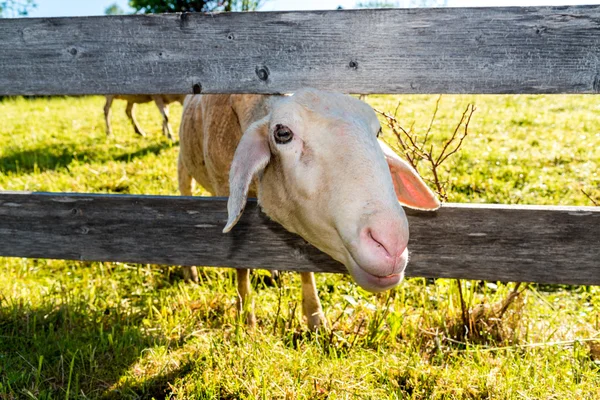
{"points": [[243, 5], [169, 6], [427, 3], [114, 9], [14, 8], [377, 4], [402, 4], [127, 331]]}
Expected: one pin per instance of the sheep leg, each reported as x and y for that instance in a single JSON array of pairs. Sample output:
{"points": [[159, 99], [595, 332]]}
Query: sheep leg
{"points": [[184, 178], [190, 274], [273, 279], [164, 111], [245, 302], [109, 100], [311, 305], [131, 115]]}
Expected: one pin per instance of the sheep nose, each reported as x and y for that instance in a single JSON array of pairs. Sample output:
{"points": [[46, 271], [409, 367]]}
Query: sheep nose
{"points": [[385, 250]]}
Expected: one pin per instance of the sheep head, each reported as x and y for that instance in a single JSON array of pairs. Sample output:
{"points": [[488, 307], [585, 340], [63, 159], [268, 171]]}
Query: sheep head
{"points": [[323, 174]]}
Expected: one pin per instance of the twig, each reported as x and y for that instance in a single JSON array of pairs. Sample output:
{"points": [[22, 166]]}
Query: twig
{"points": [[435, 111], [510, 298], [276, 323], [362, 321], [292, 315], [463, 308], [404, 147], [339, 317], [332, 331], [594, 202], [442, 159], [396, 110]]}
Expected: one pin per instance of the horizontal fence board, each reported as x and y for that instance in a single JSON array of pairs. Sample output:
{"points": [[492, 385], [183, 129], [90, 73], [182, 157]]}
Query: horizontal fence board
{"points": [[443, 50], [498, 243]]}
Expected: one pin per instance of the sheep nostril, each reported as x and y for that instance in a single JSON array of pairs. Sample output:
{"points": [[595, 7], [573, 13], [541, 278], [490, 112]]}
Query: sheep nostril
{"points": [[379, 243]]}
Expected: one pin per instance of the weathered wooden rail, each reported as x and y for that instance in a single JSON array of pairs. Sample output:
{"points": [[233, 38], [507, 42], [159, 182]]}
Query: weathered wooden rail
{"points": [[491, 242], [444, 50], [493, 50]]}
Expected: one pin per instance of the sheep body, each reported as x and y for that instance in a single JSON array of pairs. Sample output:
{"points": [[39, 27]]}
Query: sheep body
{"points": [[317, 168], [161, 101]]}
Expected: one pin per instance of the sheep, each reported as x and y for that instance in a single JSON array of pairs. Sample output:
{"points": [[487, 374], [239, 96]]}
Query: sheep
{"points": [[315, 163], [161, 101]]}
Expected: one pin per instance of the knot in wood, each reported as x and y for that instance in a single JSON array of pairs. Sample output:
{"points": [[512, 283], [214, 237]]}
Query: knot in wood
{"points": [[262, 73], [596, 83], [184, 20]]}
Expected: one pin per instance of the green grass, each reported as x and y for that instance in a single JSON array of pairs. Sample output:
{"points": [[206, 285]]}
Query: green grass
{"points": [[520, 149], [114, 330]]}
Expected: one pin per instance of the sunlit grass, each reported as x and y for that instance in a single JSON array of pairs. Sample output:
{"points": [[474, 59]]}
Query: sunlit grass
{"points": [[117, 330], [520, 149]]}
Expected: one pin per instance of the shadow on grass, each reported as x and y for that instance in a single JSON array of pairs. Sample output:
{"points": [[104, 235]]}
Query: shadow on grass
{"points": [[157, 387], [72, 346], [73, 351], [56, 157], [152, 149]]}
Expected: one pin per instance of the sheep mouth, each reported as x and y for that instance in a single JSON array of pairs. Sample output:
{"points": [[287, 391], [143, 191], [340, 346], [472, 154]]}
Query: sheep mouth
{"points": [[383, 282], [374, 283]]}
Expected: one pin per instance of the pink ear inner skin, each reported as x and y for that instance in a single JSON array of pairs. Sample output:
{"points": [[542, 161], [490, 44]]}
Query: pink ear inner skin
{"points": [[410, 191], [408, 185]]}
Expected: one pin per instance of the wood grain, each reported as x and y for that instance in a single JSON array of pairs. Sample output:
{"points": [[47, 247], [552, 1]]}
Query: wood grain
{"points": [[490, 242], [444, 50]]}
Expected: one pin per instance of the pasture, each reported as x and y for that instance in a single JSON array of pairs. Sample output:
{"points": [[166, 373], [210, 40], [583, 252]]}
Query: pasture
{"points": [[114, 330]]}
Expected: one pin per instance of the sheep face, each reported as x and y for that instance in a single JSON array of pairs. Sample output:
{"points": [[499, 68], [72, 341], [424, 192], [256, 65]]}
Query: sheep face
{"points": [[323, 174]]}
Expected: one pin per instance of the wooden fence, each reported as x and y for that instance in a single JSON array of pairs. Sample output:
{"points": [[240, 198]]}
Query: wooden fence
{"points": [[447, 50]]}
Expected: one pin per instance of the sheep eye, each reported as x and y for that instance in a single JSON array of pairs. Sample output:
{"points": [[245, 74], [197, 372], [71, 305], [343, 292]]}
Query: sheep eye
{"points": [[283, 134]]}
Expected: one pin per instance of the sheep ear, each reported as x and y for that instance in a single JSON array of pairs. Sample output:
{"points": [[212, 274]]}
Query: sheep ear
{"points": [[251, 157], [410, 188]]}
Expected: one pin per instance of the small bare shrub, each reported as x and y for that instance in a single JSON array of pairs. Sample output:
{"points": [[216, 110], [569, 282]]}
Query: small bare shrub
{"points": [[420, 149], [482, 321]]}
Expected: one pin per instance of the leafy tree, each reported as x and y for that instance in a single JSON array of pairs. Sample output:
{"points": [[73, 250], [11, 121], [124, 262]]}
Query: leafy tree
{"points": [[114, 9], [244, 5], [405, 3], [427, 3], [14, 8], [169, 6], [376, 4]]}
